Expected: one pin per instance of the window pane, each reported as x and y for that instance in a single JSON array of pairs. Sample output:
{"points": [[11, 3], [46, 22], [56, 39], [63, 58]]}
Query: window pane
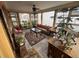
{"points": [[36, 16], [13, 14], [39, 18], [32, 16], [48, 18], [14, 18], [61, 15], [76, 28], [75, 11], [24, 17], [75, 23], [15, 23], [74, 20]]}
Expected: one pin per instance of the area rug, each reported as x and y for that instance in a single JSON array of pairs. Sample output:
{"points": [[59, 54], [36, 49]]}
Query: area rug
{"points": [[33, 39]]}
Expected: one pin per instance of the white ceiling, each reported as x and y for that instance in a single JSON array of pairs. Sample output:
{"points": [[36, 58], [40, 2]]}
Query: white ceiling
{"points": [[26, 6]]}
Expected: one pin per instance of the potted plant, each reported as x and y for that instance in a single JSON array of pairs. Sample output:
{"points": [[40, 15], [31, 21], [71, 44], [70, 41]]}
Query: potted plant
{"points": [[65, 32], [20, 41]]}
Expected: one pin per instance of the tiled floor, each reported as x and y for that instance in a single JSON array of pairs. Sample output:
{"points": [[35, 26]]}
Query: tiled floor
{"points": [[41, 48]]}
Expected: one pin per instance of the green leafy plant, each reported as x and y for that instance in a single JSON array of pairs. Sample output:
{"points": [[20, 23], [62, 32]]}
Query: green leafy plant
{"points": [[20, 40], [29, 26], [65, 32], [25, 24], [34, 22]]}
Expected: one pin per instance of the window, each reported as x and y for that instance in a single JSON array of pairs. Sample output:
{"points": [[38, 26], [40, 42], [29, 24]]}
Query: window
{"points": [[34, 20], [48, 18], [76, 28], [39, 18], [14, 18], [24, 18], [32, 17], [75, 11], [75, 23], [61, 15], [75, 19]]}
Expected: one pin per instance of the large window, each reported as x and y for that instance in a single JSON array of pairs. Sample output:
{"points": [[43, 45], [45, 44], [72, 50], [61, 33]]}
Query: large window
{"points": [[14, 18], [75, 19], [75, 23], [24, 18], [61, 15], [39, 18], [75, 11], [32, 17], [48, 18]]}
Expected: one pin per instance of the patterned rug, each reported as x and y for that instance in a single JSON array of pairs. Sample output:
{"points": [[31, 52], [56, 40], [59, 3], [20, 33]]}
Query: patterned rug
{"points": [[33, 39]]}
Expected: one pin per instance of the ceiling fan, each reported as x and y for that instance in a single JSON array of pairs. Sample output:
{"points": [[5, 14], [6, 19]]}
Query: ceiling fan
{"points": [[34, 8]]}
